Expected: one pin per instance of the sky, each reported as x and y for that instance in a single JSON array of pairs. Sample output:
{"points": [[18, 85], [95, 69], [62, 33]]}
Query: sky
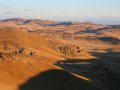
{"points": [[98, 11]]}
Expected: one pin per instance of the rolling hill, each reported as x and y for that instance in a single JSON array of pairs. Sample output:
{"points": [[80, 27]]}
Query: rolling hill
{"points": [[41, 54]]}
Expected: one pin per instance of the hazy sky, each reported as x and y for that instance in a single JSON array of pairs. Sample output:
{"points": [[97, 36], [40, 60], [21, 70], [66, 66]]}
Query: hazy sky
{"points": [[101, 11]]}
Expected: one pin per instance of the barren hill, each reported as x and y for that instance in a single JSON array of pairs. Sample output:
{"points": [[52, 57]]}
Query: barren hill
{"points": [[48, 55]]}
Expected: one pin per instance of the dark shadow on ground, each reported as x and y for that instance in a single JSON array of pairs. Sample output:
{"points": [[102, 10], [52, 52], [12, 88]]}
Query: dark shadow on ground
{"points": [[103, 71], [56, 80], [103, 75], [93, 31], [111, 60], [108, 56], [93, 69]]}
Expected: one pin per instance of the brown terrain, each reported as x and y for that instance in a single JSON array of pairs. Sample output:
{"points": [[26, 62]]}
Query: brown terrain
{"points": [[46, 55]]}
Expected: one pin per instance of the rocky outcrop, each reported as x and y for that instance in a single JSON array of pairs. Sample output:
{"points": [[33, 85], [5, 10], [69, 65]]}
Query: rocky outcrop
{"points": [[70, 49], [25, 51], [66, 49], [13, 53]]}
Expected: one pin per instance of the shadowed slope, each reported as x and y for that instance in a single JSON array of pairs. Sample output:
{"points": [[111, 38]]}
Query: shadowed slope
{"points": [[56, 80]]}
